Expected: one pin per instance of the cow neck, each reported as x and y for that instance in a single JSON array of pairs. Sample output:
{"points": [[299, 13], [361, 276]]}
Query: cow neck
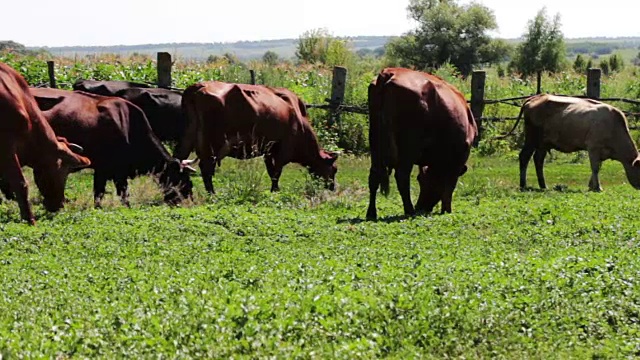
{"points": [[307, 148]]}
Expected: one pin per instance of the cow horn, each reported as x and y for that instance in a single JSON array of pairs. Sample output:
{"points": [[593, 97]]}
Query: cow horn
{"points": [[186, 165], [75, 148]]}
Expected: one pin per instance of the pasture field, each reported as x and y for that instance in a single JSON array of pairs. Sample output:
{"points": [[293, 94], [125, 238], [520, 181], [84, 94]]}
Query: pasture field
{"points": [[300, 274]]}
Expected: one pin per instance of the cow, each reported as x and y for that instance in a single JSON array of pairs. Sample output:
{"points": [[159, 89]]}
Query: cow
{"points": [[417, 118], [245, 121], [161, 106], [116, 136], [27, 139], [570, 124], [106, 88]]}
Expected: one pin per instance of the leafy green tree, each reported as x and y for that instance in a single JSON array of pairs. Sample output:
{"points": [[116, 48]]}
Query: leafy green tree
{"points": [[270, 58], [604, 66], [616, 63], [579, 64], [589, 64], [448, 32], [543, 48], [213, 59], [312, 46], [232, 59], [318, 46]]}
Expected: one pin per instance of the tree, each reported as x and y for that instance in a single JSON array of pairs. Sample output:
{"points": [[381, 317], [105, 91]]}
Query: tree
{"points": [[312, 46], [579, 64], [270, 58], [604, 66], [543, 48], [318, 46], [448, 32], [616, 63]]}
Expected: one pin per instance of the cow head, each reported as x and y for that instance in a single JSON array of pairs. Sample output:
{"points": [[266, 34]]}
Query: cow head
{"points": [[633, 172], [325, 168], [51, 170], [436, 186], [176, 182]]}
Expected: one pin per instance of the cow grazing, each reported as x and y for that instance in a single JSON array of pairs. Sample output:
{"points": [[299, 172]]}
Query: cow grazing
{"points": [[27, 139], [246, 121], [570, 124], [117, 138], [161, 106], [417, 119], [106, 88]]}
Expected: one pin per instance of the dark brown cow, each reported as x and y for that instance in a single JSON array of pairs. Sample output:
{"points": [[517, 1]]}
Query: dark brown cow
{"points": [[417, 119], [27, 139], [117, 138], [245, 121]]}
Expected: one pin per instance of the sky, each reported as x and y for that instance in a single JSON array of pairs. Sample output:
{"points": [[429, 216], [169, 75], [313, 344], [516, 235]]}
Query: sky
{"points": [[130, 22]]}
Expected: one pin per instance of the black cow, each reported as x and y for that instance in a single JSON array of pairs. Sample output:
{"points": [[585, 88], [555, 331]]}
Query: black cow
{"points": [[162, 106], [106, 88]]}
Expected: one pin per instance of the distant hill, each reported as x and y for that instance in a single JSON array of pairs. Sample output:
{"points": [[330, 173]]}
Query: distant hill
{"points": [[244, 50], [285, 48]]}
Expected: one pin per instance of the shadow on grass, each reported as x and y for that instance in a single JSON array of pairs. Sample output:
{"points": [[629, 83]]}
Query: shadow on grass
{"points": [[386, 219], [557, 188]]}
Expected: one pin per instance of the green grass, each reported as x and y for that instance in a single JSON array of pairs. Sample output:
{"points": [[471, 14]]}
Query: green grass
{"points": [[300, 274]]}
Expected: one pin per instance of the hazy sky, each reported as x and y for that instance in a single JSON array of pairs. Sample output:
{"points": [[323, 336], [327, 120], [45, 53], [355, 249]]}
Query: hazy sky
{"points": [[128, 22]]}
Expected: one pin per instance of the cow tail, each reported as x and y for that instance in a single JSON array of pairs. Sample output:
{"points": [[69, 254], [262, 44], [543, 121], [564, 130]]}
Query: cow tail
{"points": [[514, 125], [378, 136], [189, 139]]}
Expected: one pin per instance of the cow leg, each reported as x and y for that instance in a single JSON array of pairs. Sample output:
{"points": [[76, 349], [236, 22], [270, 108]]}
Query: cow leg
{"points": [[525, 155], [374, 183], [6, 189], [17, 183], [274, 172], [447, 198], [99, 187], [122, 189], [594, 182], [403, 180], [207, 170], [422, 205], [538, 160]]}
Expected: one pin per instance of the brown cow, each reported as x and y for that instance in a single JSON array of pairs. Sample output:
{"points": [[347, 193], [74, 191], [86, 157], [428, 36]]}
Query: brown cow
{"points": [[245, 121], [417, 119], [116, 136], [570, 124], [27, 139]]}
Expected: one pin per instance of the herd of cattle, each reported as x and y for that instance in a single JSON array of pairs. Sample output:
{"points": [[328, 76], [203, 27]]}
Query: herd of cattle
{"points": [[118, 128]]}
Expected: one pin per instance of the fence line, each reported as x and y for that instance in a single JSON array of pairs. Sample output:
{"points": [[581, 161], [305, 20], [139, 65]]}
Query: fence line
{"points": [[335, 105]]}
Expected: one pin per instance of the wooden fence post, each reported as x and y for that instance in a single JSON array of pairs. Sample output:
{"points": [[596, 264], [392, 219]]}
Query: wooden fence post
{"points": [[593, 83], [337, 92], [539, 79], [478, 78], [164, 70], [253, 76], [52, 74]]}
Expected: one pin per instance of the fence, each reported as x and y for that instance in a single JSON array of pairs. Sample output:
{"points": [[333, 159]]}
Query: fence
{"points": [[335, 105]]}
